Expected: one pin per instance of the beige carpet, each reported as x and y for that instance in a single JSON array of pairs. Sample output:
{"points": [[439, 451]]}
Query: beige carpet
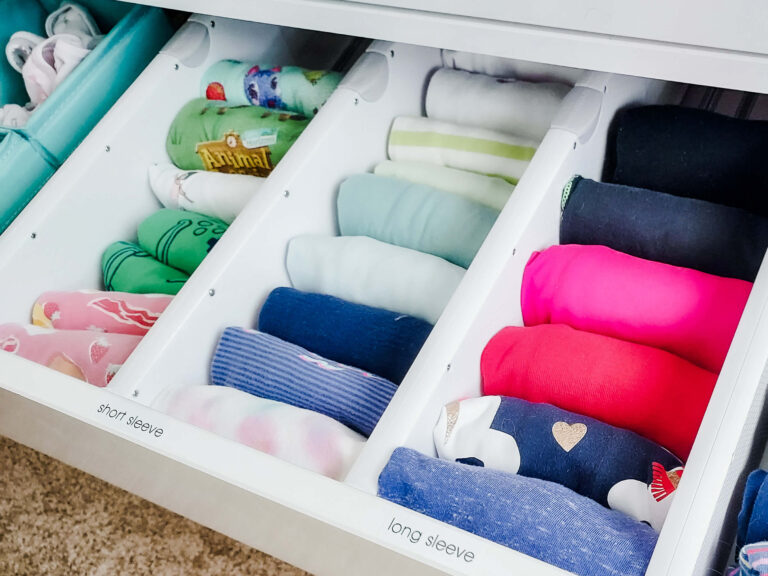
{"points": [[57, 520]]}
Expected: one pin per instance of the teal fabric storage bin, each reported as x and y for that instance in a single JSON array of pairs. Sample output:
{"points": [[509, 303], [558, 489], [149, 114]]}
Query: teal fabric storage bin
{"points": [[29, 156]]}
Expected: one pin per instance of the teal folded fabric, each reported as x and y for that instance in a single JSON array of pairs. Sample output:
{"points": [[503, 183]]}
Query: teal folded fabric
{"points": [[414, 216]]}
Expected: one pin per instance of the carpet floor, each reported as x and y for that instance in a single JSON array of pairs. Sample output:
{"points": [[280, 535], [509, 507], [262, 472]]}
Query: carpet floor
{"points": [[55, 519]]}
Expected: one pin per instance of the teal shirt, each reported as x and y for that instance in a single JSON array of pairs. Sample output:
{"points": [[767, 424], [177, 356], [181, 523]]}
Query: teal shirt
{"points": [[414, 216]]}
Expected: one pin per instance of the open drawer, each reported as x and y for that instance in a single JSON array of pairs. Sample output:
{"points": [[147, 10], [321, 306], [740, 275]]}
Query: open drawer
{"points": [[322, 525]]}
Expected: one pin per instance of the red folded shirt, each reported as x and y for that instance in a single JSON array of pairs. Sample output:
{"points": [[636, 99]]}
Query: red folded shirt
{"points": [[647, 390]]}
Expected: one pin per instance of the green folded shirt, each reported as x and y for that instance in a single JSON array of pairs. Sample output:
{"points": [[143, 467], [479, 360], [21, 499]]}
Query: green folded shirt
{"points": [[128, 268], [209, 135], [179, 238]]}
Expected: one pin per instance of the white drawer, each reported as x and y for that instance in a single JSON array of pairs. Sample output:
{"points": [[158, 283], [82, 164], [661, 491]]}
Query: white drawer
{"points": [[322, 525], [709, 43]]}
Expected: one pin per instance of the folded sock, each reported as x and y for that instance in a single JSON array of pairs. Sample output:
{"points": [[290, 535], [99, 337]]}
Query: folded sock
{"points": [[366, 271], [753, 516], [221, 196], [14, 116], [72, 18], [475, 149], [509, 68], [19, 48], [18, 16], [656, 226], [251, 140], [753, 560], [649, 391], [615, 467], [375, 340], [275, 87], [488, 190], [128, 268], [693, 153], [538, 518], [414, 216], [50, 62], [114, 312], [179, 238], [507, 105], [268, 367], [83, 354], [302, 437], [686, 312]]}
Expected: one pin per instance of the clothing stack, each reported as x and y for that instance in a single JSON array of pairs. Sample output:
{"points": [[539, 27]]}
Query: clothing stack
{"points": [[224, 144], [171, 245], [44, 62], [342, 338], [86, 334], [597, 400], [222, 151]]}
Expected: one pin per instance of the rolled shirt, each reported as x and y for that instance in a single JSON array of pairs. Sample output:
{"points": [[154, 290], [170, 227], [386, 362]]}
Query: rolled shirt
{"points": [[115, 312], [693, 153], [613, 466], [370, 272], [90, 356], [685, 232], [505, 104], [535, 517], [649, 391], [597, 289], [302, 437], [271, 368], [414, 216], [488, 190], [213, 194], [455, 146], [373, 339]]}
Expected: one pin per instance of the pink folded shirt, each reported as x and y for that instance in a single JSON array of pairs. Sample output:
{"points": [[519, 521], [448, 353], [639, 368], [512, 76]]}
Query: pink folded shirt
{"points": [[305, 438], [597, 289], [118, 312], [90, 356]]}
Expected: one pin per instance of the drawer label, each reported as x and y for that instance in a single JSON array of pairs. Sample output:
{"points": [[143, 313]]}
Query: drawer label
{"points": [[132, 421], [409, 533]]}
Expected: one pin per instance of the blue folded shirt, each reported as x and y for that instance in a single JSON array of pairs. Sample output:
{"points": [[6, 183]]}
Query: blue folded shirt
{"points": [[268, 367], [538, 518], [377, 340]]}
